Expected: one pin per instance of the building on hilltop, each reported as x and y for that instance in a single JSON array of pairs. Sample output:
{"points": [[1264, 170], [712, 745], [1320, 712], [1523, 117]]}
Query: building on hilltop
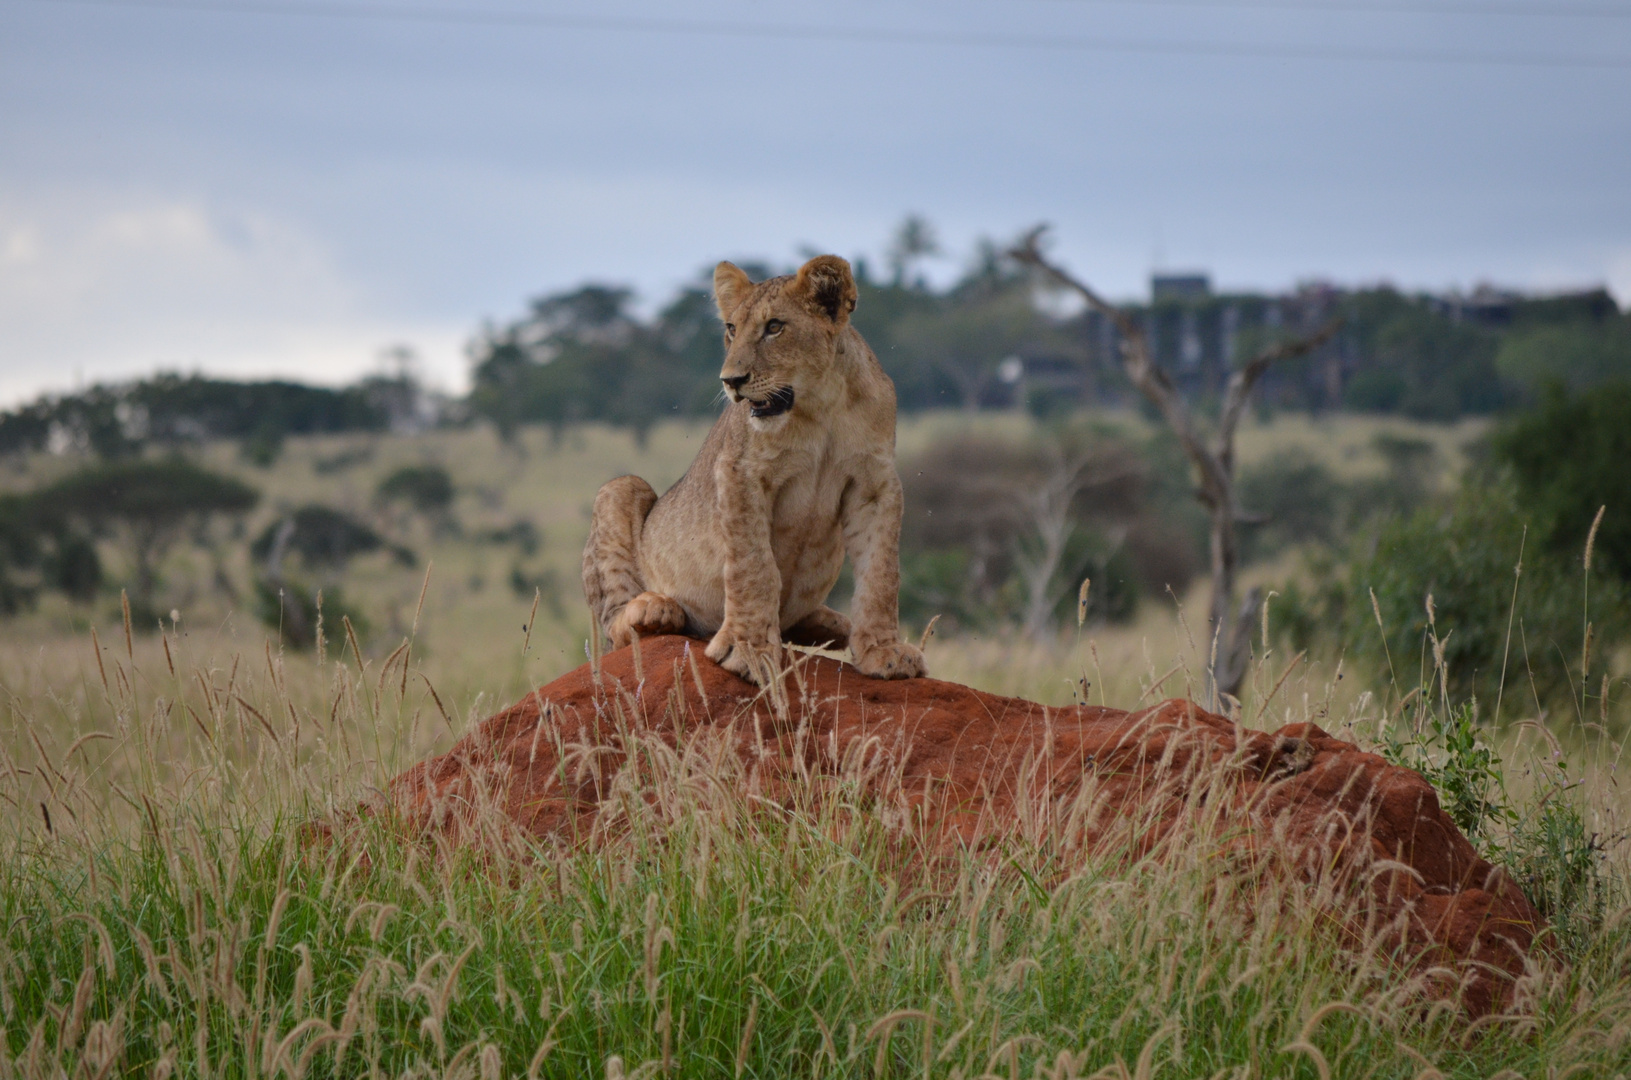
{"points": [[1189, 287], [1424, 354]]}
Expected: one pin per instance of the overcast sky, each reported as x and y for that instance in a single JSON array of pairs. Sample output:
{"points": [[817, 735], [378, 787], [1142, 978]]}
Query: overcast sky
{"points": [[257, 187]]}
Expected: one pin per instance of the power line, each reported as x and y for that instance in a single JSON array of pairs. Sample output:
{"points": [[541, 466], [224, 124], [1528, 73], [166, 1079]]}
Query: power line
{"points": [[1477, 8], [1392, 7], [863, 36]]}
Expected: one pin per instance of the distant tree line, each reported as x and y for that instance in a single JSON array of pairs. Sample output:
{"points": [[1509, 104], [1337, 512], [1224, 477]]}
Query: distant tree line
{"points": [[585, 355], [170, 411], [992, 338]]}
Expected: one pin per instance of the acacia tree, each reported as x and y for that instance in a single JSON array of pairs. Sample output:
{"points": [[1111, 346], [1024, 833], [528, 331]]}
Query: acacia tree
{"points": [[1214, 459], [150, 503], [326, 540]]}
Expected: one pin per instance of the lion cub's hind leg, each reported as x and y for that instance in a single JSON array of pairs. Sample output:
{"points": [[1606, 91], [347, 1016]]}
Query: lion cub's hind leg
{"points": [[612, 583], [823, 628]]}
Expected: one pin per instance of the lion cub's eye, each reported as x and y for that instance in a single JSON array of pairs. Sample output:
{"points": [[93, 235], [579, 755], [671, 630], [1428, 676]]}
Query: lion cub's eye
{"points": [[773, 327], [730, 330]]}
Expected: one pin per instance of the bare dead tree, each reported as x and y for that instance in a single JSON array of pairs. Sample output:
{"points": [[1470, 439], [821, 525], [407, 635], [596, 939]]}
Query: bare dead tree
{"points": [[1230, 637], [1048, 506]]}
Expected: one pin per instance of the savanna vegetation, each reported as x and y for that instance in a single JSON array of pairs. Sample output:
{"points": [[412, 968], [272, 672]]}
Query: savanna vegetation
{"points": [[227, 625], [169, 913]]}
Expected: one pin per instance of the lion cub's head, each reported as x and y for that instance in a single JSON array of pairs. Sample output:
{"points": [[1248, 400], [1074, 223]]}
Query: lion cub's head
{"points": [[782, 335]]}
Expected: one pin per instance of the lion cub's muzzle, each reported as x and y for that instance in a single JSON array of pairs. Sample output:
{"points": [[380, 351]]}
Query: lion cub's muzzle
{"points": [[779, 401]]}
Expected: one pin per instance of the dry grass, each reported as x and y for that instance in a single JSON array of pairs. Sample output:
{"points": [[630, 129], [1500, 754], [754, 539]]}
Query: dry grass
{"points": [[165, 916]]}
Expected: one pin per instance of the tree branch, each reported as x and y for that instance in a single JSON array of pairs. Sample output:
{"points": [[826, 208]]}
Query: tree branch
{"points": [[1215, 466], [1152, 381], [1241, 383], [1141, 370]]}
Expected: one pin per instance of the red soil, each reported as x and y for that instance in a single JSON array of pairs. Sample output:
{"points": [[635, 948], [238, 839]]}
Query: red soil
{"points": [[975, 766]]}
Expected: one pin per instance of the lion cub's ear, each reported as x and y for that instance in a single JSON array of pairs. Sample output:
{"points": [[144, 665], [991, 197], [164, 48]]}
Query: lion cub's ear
{"points": [[731, 287], [825, 281]]}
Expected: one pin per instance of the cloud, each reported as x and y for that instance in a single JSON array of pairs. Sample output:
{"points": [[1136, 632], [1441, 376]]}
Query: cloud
{"points": [[1618, 274], [98, 286]]}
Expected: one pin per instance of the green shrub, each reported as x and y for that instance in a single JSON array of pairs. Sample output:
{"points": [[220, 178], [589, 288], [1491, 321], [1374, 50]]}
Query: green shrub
{"points": [[1572, 456], [19, 554], [1454, 569], [1292, 500], [300, 612], [263, 446], [427, 488], [1581, 354], [1299, 500], [73, 567], [934, 582], [324, 538], [1451, 753], [1115, 574], [1561, 866]]}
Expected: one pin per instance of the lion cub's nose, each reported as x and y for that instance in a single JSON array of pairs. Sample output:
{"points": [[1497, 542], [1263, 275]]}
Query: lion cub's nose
{"points": [[735, 382]]}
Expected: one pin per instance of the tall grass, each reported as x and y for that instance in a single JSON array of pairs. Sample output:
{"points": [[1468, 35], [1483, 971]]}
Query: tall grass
{"points": [[188, 889]]}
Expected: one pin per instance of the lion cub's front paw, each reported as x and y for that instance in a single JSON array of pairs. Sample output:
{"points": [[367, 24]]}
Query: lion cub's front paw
{"points": [[754, 660], [891, 660], [647, 614]]}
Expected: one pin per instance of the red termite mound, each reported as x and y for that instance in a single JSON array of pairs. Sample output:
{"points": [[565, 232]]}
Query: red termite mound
{"points": [[973, 765]]}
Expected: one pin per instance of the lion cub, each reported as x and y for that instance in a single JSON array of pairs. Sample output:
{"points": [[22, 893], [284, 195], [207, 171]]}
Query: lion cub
{"points": [[799, 471]]}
